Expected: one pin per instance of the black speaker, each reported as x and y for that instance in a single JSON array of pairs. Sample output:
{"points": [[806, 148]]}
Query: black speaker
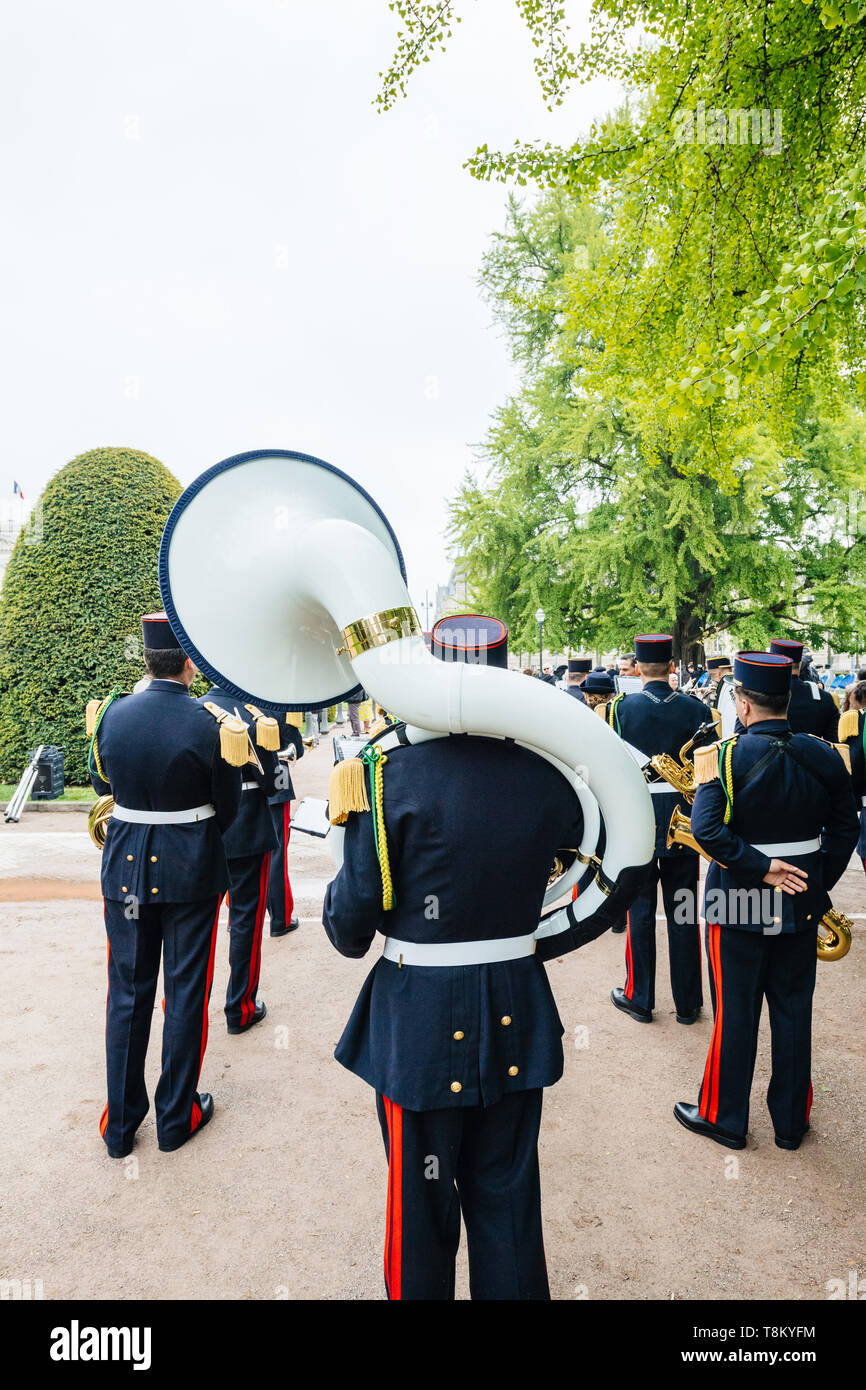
{"points": [[49, 777]]}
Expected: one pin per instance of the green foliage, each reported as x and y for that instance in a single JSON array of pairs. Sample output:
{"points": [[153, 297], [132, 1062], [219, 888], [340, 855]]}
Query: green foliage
{"points": [[75, 588], [730, 292], [608, 535]]}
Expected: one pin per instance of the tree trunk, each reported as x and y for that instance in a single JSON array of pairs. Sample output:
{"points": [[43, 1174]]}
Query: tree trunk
{"points": [[688, 638]]}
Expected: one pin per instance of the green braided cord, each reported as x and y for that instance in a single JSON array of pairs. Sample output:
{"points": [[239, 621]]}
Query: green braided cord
{"points": [[93, 751], [373, 758]]}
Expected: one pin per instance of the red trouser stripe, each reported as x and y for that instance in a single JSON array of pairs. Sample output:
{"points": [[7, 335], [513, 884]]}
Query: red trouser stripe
{"points": [[195, 1116], [103, 1119], [629, 969], [248, 1003], [394, 1218], [287, 822], [709, 1102], [809, 1103]]}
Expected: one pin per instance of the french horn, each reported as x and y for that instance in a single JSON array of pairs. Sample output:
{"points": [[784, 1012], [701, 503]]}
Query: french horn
{"points": [[98, 818], [285, 584], [834, 928]]}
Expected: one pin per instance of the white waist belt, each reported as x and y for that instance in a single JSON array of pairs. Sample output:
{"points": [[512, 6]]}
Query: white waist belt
{"points": [[792, 847], [458, 952], [249, 786], [163, 817], [662, 789], [863, 801]]}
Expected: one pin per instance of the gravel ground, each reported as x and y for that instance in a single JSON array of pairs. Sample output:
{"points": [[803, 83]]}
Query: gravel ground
{"points": [[283, 1196]]}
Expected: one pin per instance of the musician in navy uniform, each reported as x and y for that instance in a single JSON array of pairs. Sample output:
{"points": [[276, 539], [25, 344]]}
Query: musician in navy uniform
{"points": [[456, 1026], [811, 709], [249, 842], [578, 670], [281, 902], [852, 731], [661, 720], [163, 873], [767, 782]]}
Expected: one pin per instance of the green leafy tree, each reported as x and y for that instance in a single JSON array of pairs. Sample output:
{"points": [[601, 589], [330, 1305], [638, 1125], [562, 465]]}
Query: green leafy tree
{"points": [[730, 292], [75, 588], [609, 534]]}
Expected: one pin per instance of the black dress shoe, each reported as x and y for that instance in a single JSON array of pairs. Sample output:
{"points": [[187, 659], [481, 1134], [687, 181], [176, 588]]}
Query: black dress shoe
{"points": [[620, 999], [261, 1010], [620, 927], [790, 1143], [284, 931], [690, 1018], [691, 1118], [205, 1105]]}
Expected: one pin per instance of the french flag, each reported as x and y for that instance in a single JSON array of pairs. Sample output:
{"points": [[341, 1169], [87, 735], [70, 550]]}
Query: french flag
{"points": [[16, 491]]}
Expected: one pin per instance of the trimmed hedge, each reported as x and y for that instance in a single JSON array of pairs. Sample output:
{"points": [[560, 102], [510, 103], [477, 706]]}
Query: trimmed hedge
{"points": [[74, 591]]}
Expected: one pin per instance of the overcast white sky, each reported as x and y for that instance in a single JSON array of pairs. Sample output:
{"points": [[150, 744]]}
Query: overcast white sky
{"points": [[213, 243]]}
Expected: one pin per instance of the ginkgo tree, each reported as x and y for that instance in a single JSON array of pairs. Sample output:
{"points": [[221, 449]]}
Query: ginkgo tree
{"points": [[732, 186], [575, 512]]}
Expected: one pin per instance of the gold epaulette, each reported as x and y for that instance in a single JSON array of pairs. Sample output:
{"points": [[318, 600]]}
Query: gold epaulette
{"points": [[841, 748], [717, 720], [90, 714], [234, 735], [706, 762], [844, 753], [602, 710], [849, 724], [834, 694], [267, 729], [296, 718], [347, 790]]}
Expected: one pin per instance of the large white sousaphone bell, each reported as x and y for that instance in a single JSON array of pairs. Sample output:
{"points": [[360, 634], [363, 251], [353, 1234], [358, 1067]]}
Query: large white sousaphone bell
{"points": [[285, 584]]}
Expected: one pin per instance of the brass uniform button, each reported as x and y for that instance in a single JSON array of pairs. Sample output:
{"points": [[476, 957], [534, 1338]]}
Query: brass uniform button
{"points": [[505, 1021], [809, 917], [458, 1036], [154, 890], [153, 859], [129, 857], [456, 1086], [124, 889], [512, 1071]]}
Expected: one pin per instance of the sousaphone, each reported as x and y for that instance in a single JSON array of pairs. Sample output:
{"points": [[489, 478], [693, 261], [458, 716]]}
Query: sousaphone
{"points": [[285, 583]]}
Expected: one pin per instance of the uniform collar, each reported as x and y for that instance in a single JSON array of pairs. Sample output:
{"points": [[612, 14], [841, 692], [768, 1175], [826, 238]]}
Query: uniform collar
{"points": [[770, 726], [167, 687]]}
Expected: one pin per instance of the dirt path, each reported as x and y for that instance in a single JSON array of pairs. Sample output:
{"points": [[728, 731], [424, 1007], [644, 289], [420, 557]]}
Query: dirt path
{"points": [[283, 1195]]}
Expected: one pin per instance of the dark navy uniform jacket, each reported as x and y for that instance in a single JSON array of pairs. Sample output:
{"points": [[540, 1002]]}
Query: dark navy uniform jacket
{"points": [[160, 752], [857, 750], [802, 791], [473, 825], [660, 720], [577, 692], [252, 830], [290, 737], [812, 710]]}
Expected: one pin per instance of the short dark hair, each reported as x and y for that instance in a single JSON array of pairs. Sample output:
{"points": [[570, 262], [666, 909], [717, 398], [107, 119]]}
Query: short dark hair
{"points": [[776, 705], [163, 663], [656, 670]]}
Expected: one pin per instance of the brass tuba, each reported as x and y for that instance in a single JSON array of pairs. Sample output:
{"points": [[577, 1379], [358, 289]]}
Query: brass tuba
{"points": [[834, 928], [97, 820]]}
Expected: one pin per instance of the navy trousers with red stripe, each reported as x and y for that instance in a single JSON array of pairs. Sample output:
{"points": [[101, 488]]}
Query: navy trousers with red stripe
{"points": [[281, 902], [747, 967], [185, 934], [248, 896], [678, 874], [483, 1162]]}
